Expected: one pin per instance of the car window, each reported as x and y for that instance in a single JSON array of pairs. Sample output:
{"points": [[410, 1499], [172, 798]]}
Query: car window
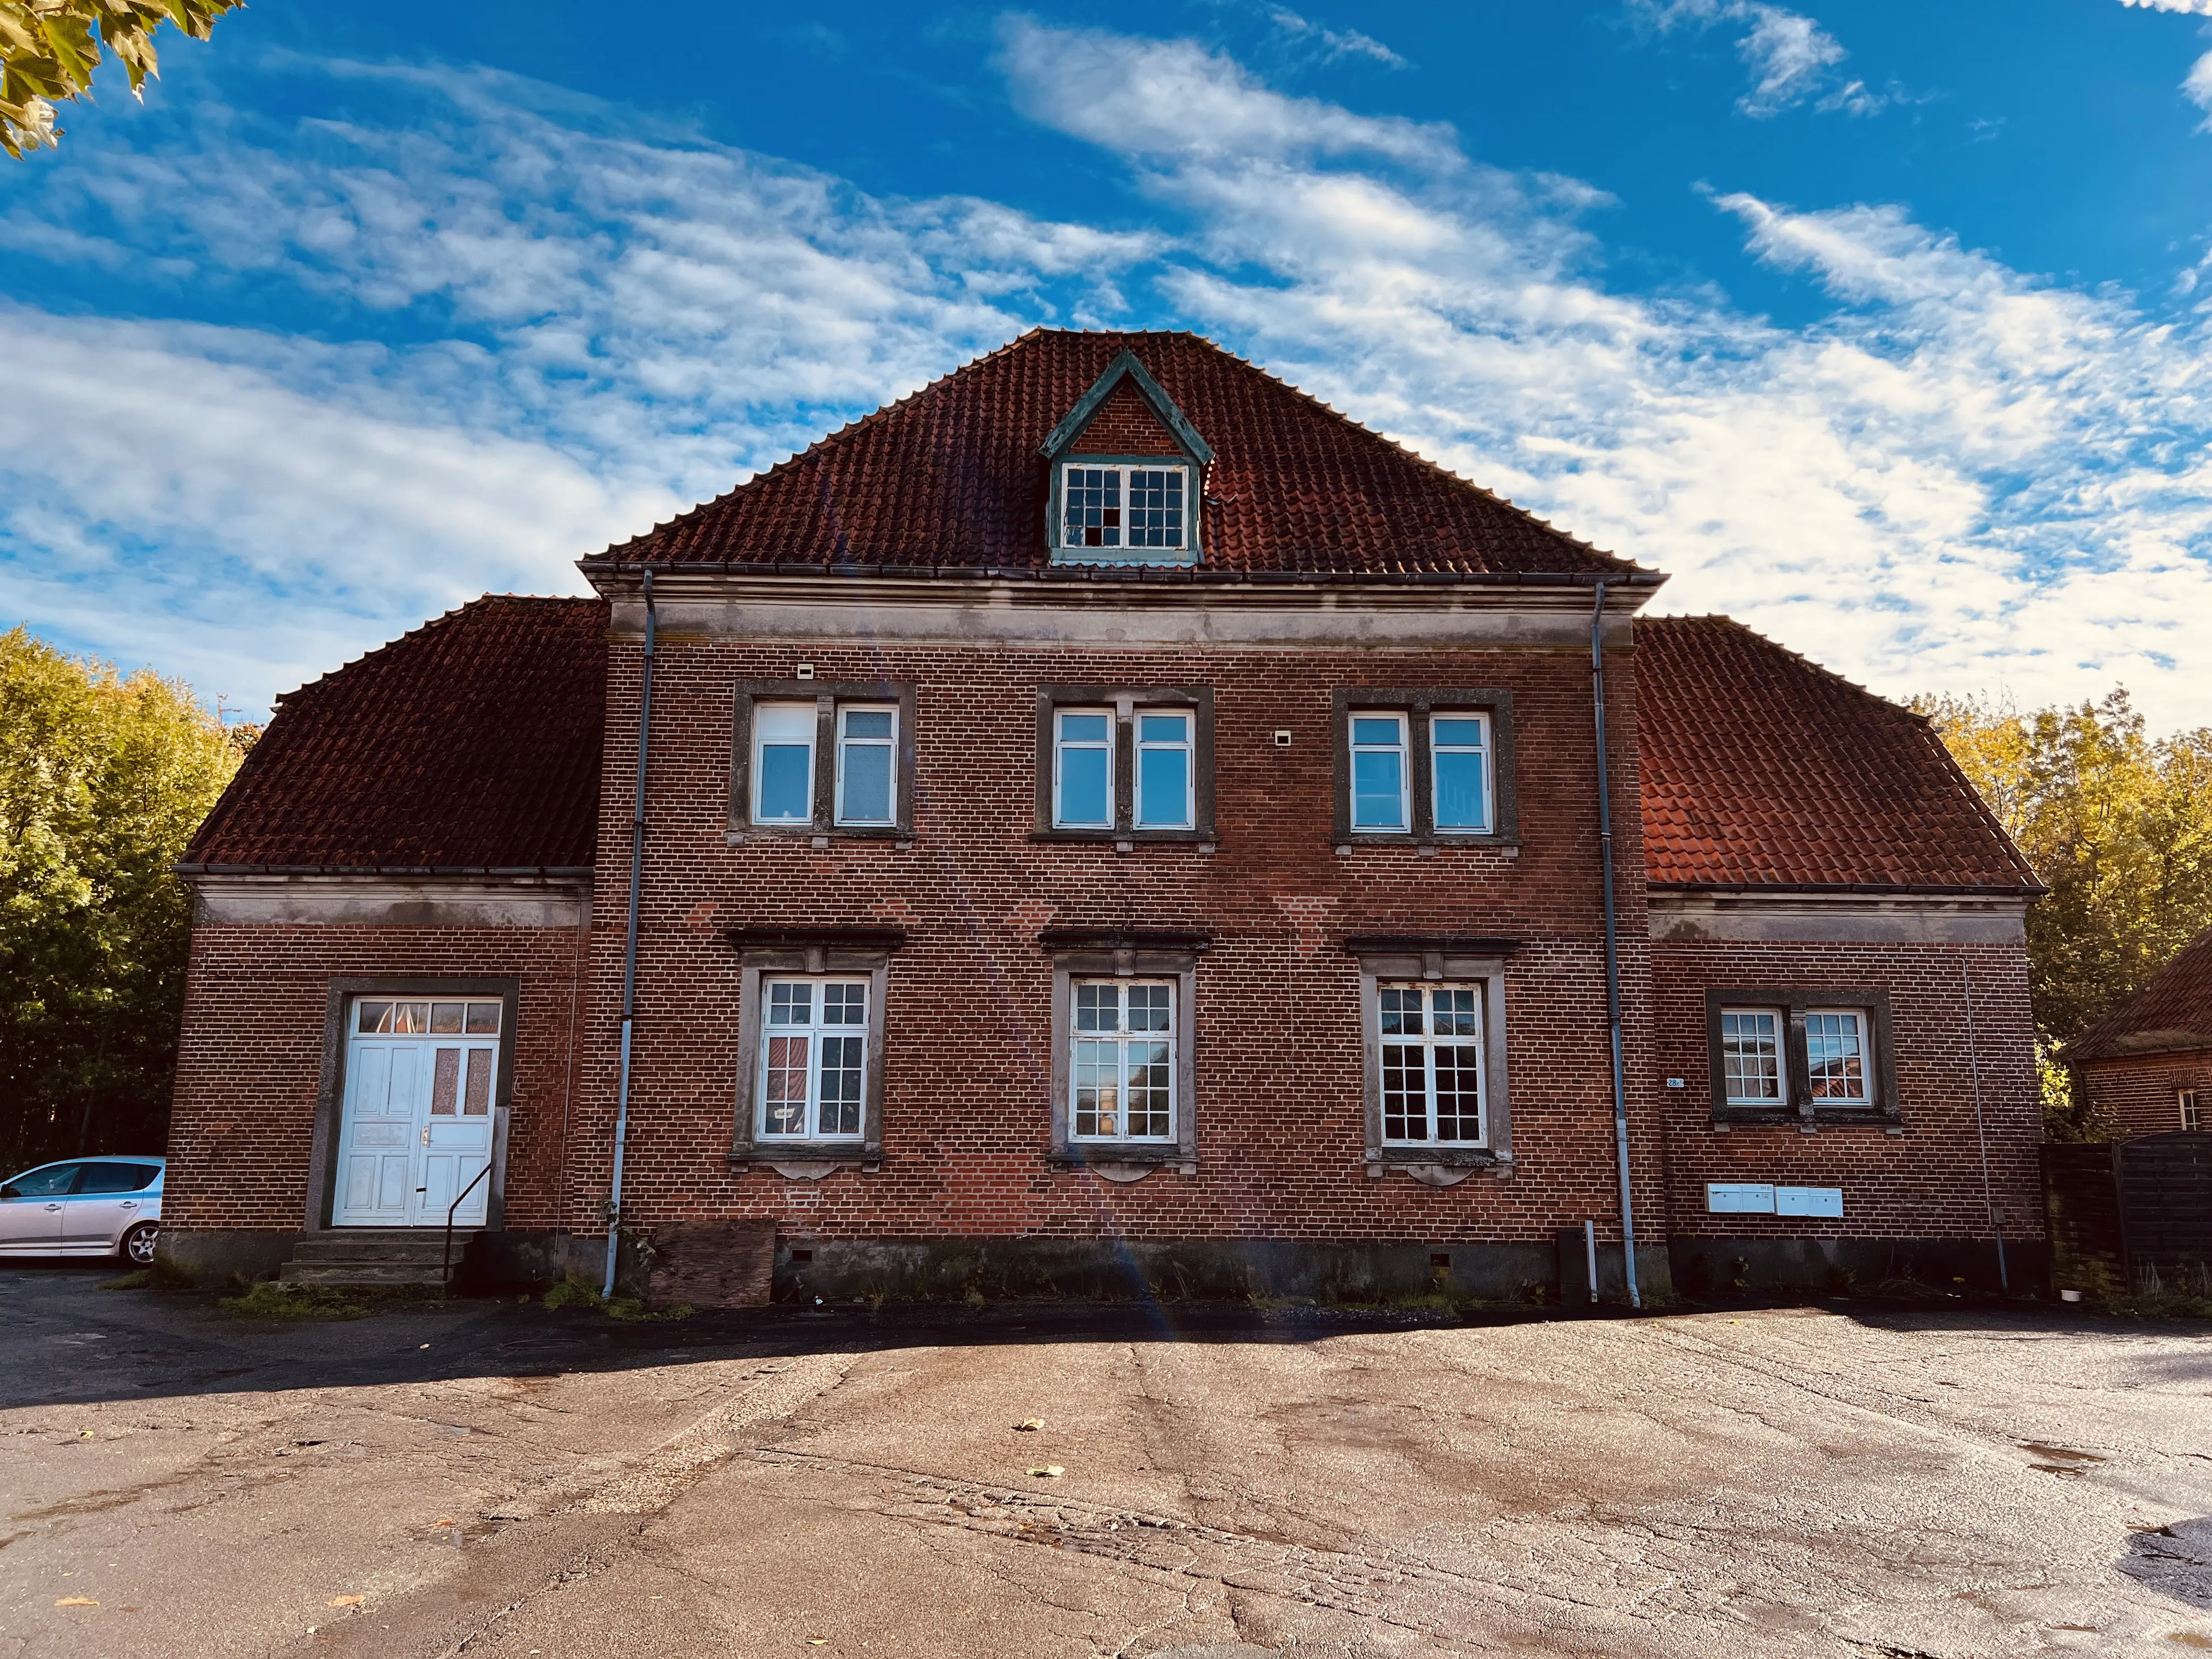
{"points": [[117, 1178], [50, 1182]]}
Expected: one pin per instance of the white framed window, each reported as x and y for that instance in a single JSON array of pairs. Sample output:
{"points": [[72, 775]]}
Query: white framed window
{"points": [[1083, 768], [1121, 1060], [2192, 1115], [1836, 1057], [783, 763], [813, 1057], [1165, 747], [1108, 505], [1751, 1055], [867, 760], [1460, 780], [1433, 1088], [1382, 792]]}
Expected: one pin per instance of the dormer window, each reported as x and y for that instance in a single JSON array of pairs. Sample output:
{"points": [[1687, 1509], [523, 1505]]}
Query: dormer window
{"points": [[1126, 472], [1123, 505]]}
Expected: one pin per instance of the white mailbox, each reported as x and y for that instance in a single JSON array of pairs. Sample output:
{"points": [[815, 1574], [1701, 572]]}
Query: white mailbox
{"points": [[1739, 1198], [1809, 1200]]}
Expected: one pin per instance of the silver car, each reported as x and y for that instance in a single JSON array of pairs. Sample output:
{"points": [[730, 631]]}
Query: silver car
{"points": [[84, 1207]]}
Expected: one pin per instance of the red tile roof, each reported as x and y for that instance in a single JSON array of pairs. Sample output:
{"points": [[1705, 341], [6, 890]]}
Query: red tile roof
{"points": [[1761, 769], [951, 478], [2174, 1010], [472, 744]]}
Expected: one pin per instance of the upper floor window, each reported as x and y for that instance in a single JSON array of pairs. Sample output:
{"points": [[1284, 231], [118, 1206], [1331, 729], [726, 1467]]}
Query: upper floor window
{"points": [[1424, 766], [824, 758], [1141, 506], [2192, 1115], [1135, 763]]}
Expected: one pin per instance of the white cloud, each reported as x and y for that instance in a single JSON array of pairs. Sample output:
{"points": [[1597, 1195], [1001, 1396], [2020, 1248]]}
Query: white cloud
{"points": [[2197, 86], [1961, 478], [1788, 54], [540, 331], [1334, 43], [2193, 7]]}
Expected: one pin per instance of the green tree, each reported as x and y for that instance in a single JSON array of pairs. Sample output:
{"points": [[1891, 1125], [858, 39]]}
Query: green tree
{"points": [[103, 778], [50, 48], [2118, 826]]}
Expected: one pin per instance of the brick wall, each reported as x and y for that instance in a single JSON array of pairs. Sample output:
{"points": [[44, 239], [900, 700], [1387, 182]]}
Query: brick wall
{"points": [[249, 1063], [968, 1059], [2139, 1094], [1925, 1183]]}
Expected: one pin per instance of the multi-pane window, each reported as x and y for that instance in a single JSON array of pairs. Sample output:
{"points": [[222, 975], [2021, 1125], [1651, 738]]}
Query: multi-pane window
{"points": [[1432, 1071], [1083, 768], [1163, 771], [867, 792], [1836, 1057], [1381, 796], [1459, 761], [1123, 506], [813, 1058], [1121, 1054], [1751, 1055], [2192, 1115], [783, 763]]}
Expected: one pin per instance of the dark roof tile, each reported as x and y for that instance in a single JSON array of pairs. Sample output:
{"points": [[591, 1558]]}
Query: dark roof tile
{"points": [[1760, 768], [471, 744], [2174, 1010], [951, 477]]}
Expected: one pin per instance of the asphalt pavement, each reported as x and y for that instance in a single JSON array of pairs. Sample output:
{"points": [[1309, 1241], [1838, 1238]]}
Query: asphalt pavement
{"points": [[490, 1479]]}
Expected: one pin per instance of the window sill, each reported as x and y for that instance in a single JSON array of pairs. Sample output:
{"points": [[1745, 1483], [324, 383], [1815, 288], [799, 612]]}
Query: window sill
{"points": [[1108, 557], [1140, 837], [1474, 1157], [1509, 845], [808, 1160], [1785, 1117], [739, 834]]}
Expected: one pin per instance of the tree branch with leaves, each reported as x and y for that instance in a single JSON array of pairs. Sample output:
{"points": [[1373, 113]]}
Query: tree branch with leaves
{"points": [[50, 48]]}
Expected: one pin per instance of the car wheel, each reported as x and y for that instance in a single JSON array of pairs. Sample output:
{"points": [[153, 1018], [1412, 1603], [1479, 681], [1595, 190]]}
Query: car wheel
{"points": [[138, 1243]]}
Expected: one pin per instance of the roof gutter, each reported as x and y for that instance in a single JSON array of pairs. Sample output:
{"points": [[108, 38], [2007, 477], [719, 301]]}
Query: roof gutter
{"points": [[630, 945], [1612, 946]]}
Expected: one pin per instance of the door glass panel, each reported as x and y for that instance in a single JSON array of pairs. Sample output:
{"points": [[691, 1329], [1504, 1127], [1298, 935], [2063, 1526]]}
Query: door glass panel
{"points": [[479, 1101], [373, 1016], [483, 1019], [445, 1018], [446, 1084]]}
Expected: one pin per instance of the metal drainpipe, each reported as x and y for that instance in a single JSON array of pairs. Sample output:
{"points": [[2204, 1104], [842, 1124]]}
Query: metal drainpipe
{"points": [[1612, 946], [629, 947]]}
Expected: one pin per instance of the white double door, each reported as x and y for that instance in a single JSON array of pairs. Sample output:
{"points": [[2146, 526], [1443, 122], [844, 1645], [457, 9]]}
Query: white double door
{"points": [[416, 1130]]}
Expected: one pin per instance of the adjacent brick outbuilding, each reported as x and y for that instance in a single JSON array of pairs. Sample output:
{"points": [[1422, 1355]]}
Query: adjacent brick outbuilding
{"points": [[1109, 814], [2147, 1066]]}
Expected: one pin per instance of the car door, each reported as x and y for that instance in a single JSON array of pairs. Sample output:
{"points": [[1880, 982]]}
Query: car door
{"points": [[31, 1209], [105, 1201]]}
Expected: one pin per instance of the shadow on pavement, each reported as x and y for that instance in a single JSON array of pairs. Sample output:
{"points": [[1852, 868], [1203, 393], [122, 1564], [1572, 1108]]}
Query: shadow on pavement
{"points": [[64, 1341]]}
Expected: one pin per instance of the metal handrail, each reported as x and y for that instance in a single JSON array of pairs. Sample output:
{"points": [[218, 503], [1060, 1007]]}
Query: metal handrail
{"points": [[446, 1271]]}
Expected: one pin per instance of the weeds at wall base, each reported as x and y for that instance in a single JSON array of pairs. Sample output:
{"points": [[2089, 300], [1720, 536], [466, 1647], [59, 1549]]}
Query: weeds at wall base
{"points": [[269, 1299]]}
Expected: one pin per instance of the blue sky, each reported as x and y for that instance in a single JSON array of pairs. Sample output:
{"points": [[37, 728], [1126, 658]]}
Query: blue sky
{"points": [[1881, 327]]}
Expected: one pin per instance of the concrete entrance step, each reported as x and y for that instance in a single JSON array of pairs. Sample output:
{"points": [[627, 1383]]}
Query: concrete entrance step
{"points": [[369, 1256]]}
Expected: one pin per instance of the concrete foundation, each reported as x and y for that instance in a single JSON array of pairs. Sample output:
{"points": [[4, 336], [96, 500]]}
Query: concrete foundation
{"points": [[1835, 1266], [840, 1269]]}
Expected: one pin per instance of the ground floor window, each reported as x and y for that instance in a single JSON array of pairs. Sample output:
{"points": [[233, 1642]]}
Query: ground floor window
{"points": [[1432, 1054], [1783, 1053], [1121, 1075], [2192, 1115], [814, 1059]]}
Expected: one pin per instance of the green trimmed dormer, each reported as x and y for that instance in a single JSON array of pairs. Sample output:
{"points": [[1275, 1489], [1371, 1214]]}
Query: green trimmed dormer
{"points": [[1128, 474]]}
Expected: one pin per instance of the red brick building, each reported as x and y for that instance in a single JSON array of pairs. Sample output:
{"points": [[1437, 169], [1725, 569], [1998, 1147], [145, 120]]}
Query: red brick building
{"points": [[1107, 815], [2147, 1066]]}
